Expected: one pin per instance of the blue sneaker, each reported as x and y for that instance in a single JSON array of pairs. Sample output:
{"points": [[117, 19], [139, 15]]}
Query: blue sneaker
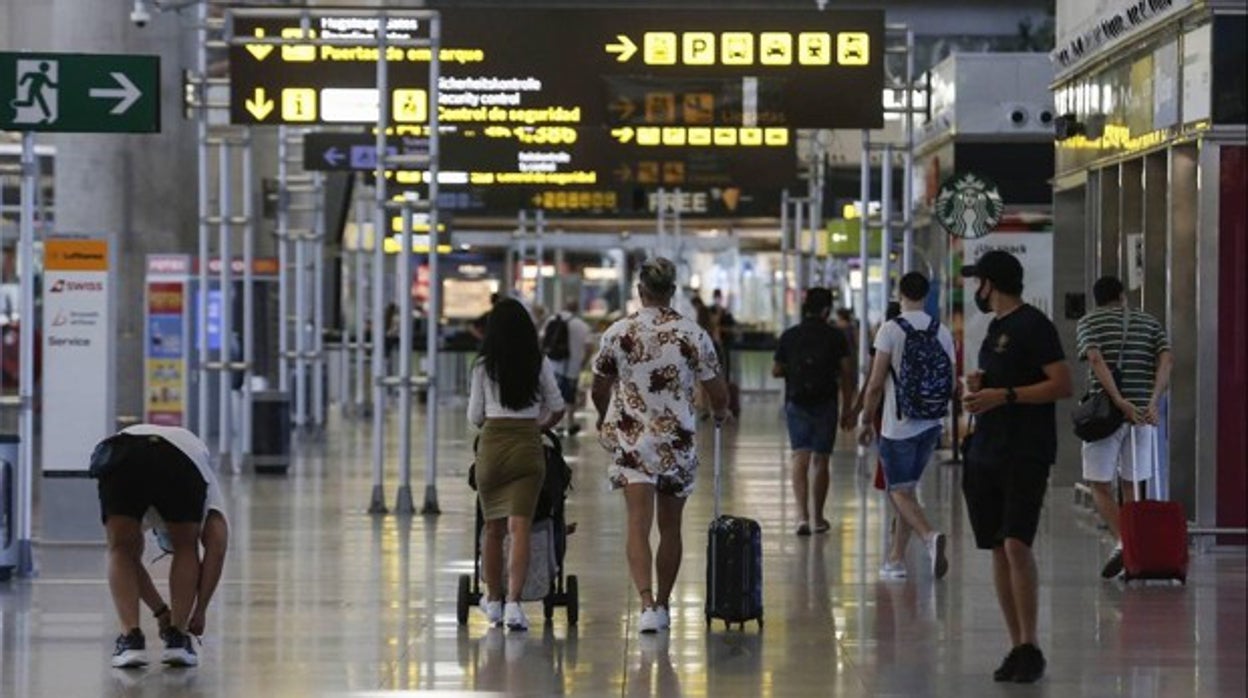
{"points": [[179, 649], [130, 651]]}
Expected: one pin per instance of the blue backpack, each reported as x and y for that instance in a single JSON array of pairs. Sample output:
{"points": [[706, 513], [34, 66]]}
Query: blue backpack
{"points": [[925, 383]]}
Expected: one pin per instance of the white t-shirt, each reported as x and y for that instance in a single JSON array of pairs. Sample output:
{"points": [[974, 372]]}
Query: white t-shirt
{"points": [[197, 452], [892, 340], [483, 402], [578, 343]]}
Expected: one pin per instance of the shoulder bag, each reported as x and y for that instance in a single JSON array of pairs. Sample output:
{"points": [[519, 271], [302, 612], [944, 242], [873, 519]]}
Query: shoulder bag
{"points": [[1096, 416]]}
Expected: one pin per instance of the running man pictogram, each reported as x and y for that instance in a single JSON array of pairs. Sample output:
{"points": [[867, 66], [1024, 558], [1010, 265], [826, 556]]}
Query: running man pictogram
{"points": [[40, 80]]}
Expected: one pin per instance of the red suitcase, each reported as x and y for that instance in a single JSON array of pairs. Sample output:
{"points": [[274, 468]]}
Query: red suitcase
{"points": [[1154, 535]]}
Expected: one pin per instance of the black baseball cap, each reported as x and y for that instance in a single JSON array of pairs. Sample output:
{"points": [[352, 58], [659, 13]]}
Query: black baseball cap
{"points": [[1000, 267]]}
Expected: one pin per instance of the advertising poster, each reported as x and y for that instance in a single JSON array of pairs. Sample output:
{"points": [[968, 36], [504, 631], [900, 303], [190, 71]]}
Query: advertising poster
{"points": [[165, 351], [77, 351]]}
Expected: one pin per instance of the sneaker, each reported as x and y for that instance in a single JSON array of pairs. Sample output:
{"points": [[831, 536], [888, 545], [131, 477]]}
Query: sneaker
{"points": [[130, 650], [179, 649], [936, 551], [1029, 665], [493, 611], [514, 617], [651, 620], [1005, 672], [1113, 566], [890, 571], [803, 529], [665, 617], [823, 526]]}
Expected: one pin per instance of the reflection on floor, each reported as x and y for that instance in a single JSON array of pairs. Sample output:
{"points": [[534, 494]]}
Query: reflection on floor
{"points": [[322, 599]]}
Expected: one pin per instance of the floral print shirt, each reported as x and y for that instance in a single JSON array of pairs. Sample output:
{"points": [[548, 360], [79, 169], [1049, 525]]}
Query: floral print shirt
{"points": [[657, 357]]}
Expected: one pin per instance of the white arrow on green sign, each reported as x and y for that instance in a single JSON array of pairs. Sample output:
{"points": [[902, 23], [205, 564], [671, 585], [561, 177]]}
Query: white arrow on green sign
{"points": [[79, 93]]}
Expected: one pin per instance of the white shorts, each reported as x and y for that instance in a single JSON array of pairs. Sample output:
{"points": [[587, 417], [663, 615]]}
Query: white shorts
{"points": [[1100, 458]]}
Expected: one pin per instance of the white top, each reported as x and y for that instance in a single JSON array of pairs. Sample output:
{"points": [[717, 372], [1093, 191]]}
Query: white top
{"points": [[891, 339], [197, 452], [483, 401], [578, 344]]}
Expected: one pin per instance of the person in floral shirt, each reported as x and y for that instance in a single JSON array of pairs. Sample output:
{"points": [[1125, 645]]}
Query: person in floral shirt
{"points": [[644, 383]]}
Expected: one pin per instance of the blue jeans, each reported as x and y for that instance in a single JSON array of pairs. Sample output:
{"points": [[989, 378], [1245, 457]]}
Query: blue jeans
{"points": [[813, 427], [905, 459]]}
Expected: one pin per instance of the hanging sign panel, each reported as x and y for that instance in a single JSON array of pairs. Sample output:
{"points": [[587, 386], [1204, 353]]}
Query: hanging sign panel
{"points": [[573, 67]]}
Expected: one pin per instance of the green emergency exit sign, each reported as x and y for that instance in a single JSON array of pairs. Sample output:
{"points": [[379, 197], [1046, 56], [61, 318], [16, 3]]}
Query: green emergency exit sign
{"points": [[79, 93]]}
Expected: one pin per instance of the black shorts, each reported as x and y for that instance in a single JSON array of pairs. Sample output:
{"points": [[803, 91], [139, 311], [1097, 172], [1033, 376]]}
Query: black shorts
{"points": [[1004, 500], [154, 473]]}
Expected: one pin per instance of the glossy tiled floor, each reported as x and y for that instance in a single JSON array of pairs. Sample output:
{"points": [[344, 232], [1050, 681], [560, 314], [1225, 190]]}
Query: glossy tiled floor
{"points": [[321, 599]]}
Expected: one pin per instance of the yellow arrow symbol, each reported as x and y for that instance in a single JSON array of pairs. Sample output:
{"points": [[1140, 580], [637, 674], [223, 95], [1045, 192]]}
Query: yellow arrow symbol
{"points": [[624, 135], [624, 50], [259, 51], [258, 106]]}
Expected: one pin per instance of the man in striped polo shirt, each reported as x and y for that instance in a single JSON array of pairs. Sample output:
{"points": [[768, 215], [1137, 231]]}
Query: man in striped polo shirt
{"points": [[1145, 375]]}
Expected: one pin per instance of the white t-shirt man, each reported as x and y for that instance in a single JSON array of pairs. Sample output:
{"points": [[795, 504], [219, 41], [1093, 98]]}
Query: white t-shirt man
{"points": [[891, 338], [197, 452]]}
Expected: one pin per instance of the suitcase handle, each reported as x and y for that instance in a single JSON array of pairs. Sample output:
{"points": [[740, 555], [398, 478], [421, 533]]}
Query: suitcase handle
{"points": [[1137, 486], [718, 461]]}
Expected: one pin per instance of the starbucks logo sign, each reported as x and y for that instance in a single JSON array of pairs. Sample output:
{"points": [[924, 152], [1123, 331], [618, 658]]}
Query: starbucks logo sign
{"points": [[969, 206]]}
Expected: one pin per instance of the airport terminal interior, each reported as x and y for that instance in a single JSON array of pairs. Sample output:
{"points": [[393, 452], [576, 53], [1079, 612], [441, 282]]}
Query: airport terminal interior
{"points": [[292, 227]]}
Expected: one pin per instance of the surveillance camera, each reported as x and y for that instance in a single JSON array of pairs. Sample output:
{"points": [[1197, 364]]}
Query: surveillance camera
{"points": [[140, 14], [1018, 116], [1046, 117]]}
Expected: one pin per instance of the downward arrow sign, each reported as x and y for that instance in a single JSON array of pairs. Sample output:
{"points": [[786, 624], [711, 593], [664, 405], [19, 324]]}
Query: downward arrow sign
{"points": [[258, 106], [127, 94]]}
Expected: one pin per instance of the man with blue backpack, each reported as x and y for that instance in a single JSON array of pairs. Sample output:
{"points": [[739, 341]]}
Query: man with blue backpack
{"points": [[913, 373]]}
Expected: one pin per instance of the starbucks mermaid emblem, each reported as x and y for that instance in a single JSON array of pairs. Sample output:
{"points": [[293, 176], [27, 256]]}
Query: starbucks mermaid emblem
{"points": [[969, 206]]}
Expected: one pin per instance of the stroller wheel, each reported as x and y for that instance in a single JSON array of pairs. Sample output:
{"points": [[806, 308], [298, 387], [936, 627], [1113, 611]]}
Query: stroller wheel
{"points": [[572, 591], [462, 600]]}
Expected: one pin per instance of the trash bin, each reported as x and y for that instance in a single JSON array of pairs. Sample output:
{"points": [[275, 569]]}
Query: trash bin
{"points": [[8, 505], [270, 432]]}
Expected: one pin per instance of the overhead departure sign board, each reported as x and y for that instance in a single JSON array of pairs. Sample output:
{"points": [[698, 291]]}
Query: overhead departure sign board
{"points": [[576, 68]]}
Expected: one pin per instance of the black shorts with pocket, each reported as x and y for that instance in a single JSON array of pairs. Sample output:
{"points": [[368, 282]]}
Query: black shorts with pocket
{"points": [[1004, 500], [153, 473]]}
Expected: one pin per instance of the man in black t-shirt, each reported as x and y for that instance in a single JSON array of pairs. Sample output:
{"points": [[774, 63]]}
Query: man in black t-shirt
{"points": [[1023, 372], [813, 358]]}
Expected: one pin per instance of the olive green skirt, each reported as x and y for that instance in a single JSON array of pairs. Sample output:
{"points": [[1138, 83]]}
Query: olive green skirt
{"points": [[510, 468]]}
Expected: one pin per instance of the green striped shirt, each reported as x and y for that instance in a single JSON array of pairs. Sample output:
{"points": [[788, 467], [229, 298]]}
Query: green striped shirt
{"points": [[1146, 340]]}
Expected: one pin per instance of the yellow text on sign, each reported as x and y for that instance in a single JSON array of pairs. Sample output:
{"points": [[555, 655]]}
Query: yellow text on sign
{"points": [[298, 104], [699, 48], [299, 53], [410, 106], [853, 48]]}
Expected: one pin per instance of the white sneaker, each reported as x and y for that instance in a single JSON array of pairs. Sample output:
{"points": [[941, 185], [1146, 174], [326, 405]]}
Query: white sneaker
{"points": [[891, 571], [493, 611], [651, 620], [936, 551], [665, 617], [514, 617]]}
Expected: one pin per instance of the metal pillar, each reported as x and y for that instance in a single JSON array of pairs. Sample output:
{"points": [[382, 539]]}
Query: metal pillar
{"points": [[201, 300], [784, 259], [361, 292], [886, 222], [907, 184], [317, 350], [403, 272], [522, 249], [435, 284], [225, 279], [378, 501], [283, 260], [249, 290], [864, 258], [26, 359], [539, 229]]}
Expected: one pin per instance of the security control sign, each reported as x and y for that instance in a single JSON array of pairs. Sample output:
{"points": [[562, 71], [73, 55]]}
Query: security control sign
{"points": [[79, 93], [574, 68]]}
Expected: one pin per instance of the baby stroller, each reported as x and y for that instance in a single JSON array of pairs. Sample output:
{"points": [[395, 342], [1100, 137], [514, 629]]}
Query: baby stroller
{"points": [[546, 580]]}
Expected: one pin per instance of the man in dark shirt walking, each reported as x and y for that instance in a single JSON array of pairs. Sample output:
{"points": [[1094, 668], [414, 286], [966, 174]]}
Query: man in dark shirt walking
{"points": [[813, 358], [1023, 372]]}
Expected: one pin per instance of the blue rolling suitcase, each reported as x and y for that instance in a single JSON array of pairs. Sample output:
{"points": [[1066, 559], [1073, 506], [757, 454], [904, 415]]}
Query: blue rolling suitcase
{"points": [[734, 562]]}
